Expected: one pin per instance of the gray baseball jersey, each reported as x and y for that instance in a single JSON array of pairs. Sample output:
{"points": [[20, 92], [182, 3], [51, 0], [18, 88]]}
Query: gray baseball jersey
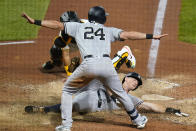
{"points": [[93, 98], [94, 40]]}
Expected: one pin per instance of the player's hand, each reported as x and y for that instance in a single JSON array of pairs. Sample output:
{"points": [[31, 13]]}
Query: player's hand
{"points": [[158, 37], [28, 18], [177, 112], [181, 114]]}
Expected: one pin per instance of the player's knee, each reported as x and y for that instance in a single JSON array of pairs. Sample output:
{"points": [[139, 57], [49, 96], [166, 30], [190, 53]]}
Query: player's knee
{"points": [[58, 42]]}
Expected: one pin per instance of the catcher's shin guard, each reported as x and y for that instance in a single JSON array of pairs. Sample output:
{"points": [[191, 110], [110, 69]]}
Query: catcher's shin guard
{"points": [[56, 55], [125, 55], [120, 58], [130, 61]]}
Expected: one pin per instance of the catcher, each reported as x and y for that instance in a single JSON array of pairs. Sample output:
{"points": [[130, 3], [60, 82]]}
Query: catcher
{"points": [[61, 47]]}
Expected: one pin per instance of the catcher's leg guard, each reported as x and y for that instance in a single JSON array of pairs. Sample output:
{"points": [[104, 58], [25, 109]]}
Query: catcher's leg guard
{"points": [[120, 58], [130, 61], [56, 55], [55, 64]]}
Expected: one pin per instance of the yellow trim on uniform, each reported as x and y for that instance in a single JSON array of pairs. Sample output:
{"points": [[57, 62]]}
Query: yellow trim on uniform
{"points": [[120, 58], [68, 41], [55, 38], [67, 72]]}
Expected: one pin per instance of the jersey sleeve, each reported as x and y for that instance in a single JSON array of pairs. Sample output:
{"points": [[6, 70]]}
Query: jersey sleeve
{"points": [[71, 28], [115, 34]]}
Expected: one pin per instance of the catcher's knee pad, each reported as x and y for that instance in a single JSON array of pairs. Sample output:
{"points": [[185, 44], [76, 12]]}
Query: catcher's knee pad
{"points": [[56, 55], [59, 42]]}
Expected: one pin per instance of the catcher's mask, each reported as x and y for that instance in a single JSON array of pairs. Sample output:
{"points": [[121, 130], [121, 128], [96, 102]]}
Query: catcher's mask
{"points": [[69, 16], [134, 75], [97, 14]]}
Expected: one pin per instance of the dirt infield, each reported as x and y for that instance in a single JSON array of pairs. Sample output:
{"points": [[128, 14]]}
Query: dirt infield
{"points": [[22, 83]]}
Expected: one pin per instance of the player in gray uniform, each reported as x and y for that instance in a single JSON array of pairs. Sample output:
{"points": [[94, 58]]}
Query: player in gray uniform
{"points": [[91, 98], [94, 42], [97, 99], [94, 97]]}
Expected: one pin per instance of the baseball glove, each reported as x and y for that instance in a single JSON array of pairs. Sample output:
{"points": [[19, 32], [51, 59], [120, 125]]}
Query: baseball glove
{"points": [[75, 62]]}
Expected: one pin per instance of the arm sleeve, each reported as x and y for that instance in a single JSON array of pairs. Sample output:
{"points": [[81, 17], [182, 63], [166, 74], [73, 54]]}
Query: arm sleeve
{"points": [[71, 28], [115, 34], [136, 101]]}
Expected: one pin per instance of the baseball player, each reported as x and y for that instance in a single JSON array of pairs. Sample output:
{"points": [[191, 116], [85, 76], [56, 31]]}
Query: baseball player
{"points": [[61, 47], [59, 52], [94, 42], [97, 99], [101, 99]]}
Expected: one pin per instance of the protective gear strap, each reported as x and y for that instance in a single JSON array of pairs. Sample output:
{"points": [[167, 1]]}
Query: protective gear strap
{"points": [[60, 42], [118, 60], [68, 41]]}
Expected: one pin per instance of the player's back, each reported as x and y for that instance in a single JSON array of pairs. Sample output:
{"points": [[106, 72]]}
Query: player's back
{"points": [[92, 38]]}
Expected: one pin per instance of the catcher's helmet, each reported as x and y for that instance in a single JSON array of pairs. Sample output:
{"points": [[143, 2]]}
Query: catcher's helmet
{"points": [[97, 14], [134, 75], [69, 16]]}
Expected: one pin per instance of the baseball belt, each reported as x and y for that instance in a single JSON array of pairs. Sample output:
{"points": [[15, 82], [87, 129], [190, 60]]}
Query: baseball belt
{"points": [[100, 100], [91, 56]]}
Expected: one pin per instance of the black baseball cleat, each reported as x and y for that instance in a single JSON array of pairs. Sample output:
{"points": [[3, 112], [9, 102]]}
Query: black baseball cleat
{"points": [[34, 109], [50, 67]]}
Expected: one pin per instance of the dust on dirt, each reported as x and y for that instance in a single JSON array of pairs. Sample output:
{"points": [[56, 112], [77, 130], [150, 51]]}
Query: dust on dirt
{"points": [[12, 106]]}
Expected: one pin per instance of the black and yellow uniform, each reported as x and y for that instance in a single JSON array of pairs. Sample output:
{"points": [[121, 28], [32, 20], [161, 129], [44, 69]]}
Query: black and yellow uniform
{"points": [[59, 43]]}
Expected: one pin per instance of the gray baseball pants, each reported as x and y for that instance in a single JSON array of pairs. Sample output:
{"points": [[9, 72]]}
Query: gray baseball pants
{"points": [[102, 69]]}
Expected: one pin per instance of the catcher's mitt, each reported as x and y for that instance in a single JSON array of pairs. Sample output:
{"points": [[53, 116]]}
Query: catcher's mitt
{"points": [[75, 62]]}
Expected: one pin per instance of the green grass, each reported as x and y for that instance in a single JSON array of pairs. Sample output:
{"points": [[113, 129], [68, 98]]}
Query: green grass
{"points": [[13, 26], [187, 28]]}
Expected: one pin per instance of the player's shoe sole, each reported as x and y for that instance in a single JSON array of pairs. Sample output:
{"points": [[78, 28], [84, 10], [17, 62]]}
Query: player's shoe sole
{"points": [[140, 126], [62, 128], [34, 109]]}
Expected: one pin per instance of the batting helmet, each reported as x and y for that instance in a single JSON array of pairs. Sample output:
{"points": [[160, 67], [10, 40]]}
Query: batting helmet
{"points": [[69, 16], [97, 14], [134, 75]]}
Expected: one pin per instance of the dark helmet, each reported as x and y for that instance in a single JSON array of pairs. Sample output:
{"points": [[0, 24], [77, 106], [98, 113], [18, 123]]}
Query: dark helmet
{"points": [[97, 14], [69, 16], [134, 75]]}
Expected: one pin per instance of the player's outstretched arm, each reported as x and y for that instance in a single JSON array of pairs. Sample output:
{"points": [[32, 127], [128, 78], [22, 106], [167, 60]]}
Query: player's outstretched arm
{"points": [[53, 24], [152, 107], [132, 35]]}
